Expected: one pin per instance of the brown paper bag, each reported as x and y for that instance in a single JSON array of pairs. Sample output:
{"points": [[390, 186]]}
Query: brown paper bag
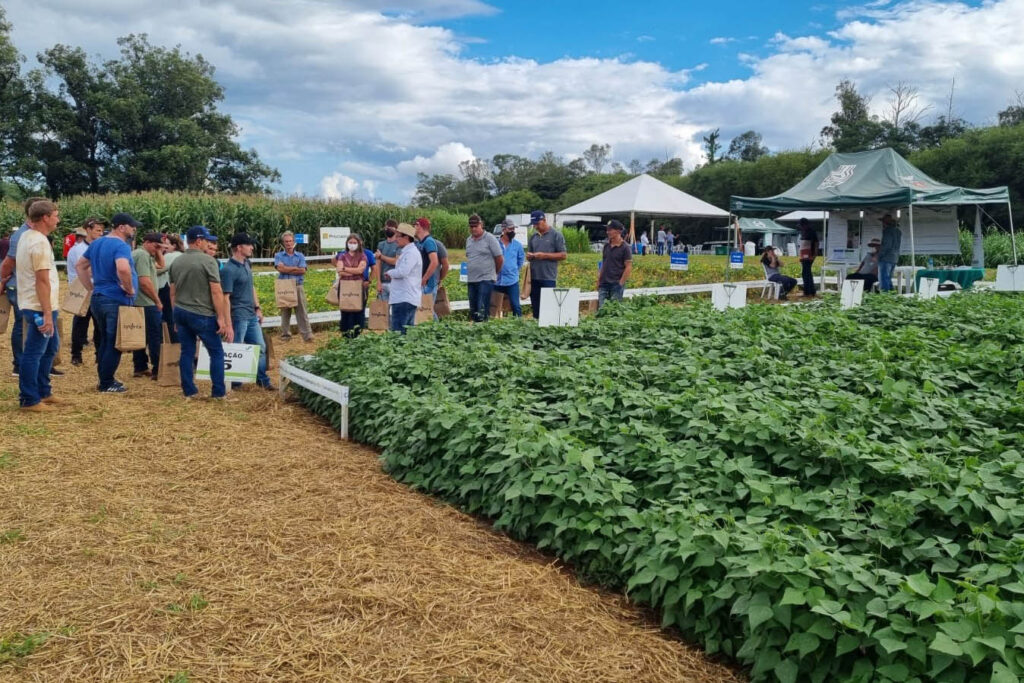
{"points": [[77, 300], [380, 315], [500, 304], [350, 295], [131, 329], [167, 374], [425, 312], [332, 293], [5, 312], [271, 358], [524, 286], [285, 293], [441, 305]]}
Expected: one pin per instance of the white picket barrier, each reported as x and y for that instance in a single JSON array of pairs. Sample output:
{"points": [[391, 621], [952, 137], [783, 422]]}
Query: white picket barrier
{"points": [[318, 385]]}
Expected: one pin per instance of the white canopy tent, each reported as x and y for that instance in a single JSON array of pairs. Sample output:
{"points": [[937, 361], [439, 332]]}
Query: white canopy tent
{"points": [[646, 195]]}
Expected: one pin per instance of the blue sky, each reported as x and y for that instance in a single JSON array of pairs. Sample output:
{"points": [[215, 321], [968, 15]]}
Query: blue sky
{"points": [[353, 98]]}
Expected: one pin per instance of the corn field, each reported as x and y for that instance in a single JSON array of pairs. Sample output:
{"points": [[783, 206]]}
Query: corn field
{"points": [[265, 218]]}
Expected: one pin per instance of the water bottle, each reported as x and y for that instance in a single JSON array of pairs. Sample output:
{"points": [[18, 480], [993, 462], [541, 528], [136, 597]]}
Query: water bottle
{"points": [[38, 320], [931, 263]]}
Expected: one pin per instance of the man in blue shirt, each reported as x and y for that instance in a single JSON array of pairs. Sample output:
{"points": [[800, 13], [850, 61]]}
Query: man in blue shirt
{"points": [[107, 268], [291, 265], [514, 259], [428, 250], [9, 285], [240, 297]]}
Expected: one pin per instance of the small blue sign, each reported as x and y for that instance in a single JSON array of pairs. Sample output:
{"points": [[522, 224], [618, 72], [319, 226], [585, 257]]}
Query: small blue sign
{"points": [[679, 260], [463, 272], [302, 238], [736, 260]]}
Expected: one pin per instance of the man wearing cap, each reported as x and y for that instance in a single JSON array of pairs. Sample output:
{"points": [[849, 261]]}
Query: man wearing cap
{"points": [[107, 268], [9, 283], [406, 280], [513, 259], [868, 268], [544, 249], [386, 256], [37, 298], [616, 265], [291, 265], [808, 252], [200, 312], [243, 303], [90, 231], [148, 258], [889, 252], [483, 263]]}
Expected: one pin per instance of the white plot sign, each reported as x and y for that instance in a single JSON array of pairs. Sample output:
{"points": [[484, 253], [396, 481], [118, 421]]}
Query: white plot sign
{"points": [[559, 307], [1010, 279], [727, 295], [929, 288], [334, 239], [852, 294], [240, 363]]}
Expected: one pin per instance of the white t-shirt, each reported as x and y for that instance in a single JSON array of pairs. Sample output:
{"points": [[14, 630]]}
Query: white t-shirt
{"points": [[35, 253], [74, 254]]}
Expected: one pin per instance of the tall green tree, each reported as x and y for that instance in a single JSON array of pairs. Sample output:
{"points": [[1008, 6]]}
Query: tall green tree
{"points": [[712, 146], [748, 146], [852, 128], [17, 113]]}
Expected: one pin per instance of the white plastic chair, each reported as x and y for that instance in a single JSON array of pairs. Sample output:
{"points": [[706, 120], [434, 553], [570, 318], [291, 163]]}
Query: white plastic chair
{"points": [[776, 287]]}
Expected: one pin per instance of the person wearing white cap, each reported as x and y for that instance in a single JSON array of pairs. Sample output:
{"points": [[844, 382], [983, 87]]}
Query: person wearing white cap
{"points": [[406, 280]]}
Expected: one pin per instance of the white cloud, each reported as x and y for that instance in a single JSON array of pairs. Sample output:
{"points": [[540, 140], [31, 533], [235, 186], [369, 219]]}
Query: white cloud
{"points": [[368, 93], [645, 39], [721, 40], [445, 159]]}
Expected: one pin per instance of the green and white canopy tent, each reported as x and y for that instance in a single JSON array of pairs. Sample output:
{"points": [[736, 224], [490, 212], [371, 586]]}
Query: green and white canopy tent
{"points": [[878, 179]]}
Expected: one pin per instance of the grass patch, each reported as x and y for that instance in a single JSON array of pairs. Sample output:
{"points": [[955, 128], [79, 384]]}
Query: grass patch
{"points": [[21, 645], [195, 603], [7, 460], [179, 677], [11, 536]]}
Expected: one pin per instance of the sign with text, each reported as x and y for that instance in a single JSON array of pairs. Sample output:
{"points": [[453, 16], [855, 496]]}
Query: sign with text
{"points": [[852, 294], [736, 260], [240, 363], [334, 239], [301, 238], [679, 261], [463, 272]]}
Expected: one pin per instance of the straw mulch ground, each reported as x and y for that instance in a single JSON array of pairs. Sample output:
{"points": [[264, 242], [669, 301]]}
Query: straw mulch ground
{"points": [[143, 537]]}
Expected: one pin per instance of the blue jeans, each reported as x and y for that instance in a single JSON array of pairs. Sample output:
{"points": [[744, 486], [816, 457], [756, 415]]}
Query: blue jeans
{"points": [[249, 332], [168, 313], [607, 291], [104, 310], [402, 316], [16, 328], [535, 287], [512, 291], [192, 326], [154, 339], [36, 360], [885, 269], [480, 300]]}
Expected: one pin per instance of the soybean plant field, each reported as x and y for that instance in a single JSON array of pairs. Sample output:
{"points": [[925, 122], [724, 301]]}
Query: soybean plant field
{"points": [[816, 494]]}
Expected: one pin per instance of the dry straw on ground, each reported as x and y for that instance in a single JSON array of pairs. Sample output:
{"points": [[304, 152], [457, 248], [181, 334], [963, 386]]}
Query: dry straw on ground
{"points": [[147, 536]]}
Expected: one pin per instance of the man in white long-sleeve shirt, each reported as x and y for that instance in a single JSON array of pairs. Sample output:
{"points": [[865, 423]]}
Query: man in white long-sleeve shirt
{"points": [[406, 288]]}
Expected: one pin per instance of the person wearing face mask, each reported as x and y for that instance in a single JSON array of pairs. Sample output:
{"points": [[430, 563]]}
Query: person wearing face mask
{"points": [[387, 256], [868, 268], [107, 268], [514, 258], [351, 265]]}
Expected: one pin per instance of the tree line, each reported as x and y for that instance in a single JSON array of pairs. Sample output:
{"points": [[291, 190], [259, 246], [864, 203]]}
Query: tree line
{"points": [[147, 120], [948, 148]]}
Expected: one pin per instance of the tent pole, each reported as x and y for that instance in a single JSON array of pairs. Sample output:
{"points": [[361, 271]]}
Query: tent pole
{"points": [[913, 252], [1013, 238], [824, 256], [978, 260]]}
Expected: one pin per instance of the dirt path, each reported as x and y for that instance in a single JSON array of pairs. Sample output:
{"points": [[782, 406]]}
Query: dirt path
{"points": [[143, 537]]}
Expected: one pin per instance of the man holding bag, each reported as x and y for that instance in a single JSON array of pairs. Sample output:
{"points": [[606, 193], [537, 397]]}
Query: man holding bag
{"points": [[200, 312], [291, 266], [108, 270]]}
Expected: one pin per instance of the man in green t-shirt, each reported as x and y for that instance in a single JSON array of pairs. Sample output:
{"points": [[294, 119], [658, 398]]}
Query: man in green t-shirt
{"points": [[148, 258], [200, 313]]}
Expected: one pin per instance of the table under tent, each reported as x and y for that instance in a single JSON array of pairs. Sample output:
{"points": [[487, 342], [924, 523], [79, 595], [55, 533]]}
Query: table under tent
{"points": [[852, 191]]}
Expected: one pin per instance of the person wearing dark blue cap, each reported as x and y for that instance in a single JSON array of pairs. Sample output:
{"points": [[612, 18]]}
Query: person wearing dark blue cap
{"points": [[107, 268], [544, 249], [200, 312]]}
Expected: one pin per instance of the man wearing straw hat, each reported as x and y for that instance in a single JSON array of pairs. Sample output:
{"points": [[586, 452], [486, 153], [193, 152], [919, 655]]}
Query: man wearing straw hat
{"points": [[406, 280]]}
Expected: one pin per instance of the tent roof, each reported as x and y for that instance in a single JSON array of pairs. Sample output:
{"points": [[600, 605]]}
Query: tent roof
{"points": [[764, 225], [879, 177], [795, 216], [646, 195]]}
